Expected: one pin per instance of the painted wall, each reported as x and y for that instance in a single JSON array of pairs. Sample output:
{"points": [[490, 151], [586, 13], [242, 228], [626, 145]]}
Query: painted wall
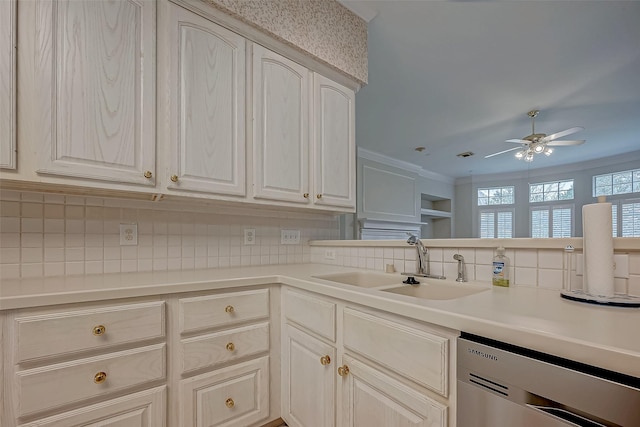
{"points": [[324, 29], [466, 190]]}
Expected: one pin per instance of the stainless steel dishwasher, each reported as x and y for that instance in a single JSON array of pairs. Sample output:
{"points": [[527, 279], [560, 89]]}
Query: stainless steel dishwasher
{"points": [[501, 385]]}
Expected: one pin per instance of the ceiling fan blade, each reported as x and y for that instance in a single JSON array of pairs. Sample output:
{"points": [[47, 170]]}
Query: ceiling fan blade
{"points": [[502, 152], [518, 141], [558, 143], [561, 134]]}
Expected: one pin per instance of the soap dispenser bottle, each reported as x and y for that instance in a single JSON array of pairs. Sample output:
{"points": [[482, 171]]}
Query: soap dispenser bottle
{"points": [[500, 268]]}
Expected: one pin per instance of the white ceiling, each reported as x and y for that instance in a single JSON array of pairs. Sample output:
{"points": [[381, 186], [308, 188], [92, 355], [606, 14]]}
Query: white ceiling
{"points": [[457, 76]]}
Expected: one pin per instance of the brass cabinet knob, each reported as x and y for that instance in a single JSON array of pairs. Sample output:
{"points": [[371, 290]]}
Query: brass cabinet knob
{"points": [[174, 178], [305, 195], [100, 377], [231, 346], [230, 403], [229, 309], [148, 174], [99, 330], [325, 360], [343, 370], [318, 196]]}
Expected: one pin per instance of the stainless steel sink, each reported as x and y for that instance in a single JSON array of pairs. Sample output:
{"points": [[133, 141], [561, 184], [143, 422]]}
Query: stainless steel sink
{"points": [[437, 291], [363, 279]]}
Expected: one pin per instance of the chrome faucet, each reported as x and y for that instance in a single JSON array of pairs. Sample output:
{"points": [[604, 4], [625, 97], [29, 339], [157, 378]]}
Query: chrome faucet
{"points": [[461, 268], [422, 269]]}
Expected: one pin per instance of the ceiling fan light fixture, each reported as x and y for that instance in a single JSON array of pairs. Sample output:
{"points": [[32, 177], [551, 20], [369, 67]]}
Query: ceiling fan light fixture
{"points": [[520, 155], [548, 151], [539, 147], [529, 157]]}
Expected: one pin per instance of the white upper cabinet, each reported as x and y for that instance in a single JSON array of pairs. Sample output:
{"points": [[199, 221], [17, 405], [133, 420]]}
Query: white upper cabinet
{"points": [[280, 127], [207, 106], [8, 84], [334, 144], [95, 89]]}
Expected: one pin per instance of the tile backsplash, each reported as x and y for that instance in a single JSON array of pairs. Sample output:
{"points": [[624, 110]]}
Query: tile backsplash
{"points": [[55, 235]]}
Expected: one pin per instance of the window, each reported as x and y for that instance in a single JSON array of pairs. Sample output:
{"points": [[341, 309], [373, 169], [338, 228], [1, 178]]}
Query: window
{"points": [[626, 218], [616, 183], [495, 196], [551, 221], [496, 223], [551, 191]]}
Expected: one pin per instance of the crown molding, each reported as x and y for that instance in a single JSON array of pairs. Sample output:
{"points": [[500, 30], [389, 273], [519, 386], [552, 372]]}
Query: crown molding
{"points": [[363, 153]]}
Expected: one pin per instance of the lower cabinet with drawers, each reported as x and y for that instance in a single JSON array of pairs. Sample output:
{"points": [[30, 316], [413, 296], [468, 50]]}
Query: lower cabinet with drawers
{"points": [[187, 360], [227, 358], [348, 365]]}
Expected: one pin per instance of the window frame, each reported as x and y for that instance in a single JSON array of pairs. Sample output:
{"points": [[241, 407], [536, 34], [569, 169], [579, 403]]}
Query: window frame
{"points": [[501, 188], [550, 208], [635, 183], [496, 210], [558, 199]]}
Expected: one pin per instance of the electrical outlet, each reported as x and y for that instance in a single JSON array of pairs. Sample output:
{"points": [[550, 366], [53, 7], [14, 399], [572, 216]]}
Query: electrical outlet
{"points": [[129, 234], [329, 254], [249, 236], [289, 237]]}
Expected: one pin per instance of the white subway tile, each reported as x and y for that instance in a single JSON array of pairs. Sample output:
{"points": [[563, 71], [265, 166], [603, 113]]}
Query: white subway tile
{"points": [[9, 240], [10, 209], [483, 272], [32, 255], [526, 258], [32, 240], [634, 285], [31, 210], [451, 270], [53, 269], [53, 225], [10, 225], [74, 268], [93, 267], [621, 263], [9, 195], [525, 276], [551, 259], [32, 197], [53, 255], [9, 271], [448, 253], [112, 266], [9, 256], [31, 270], [620, 286], [468, 254], [484, 256], [30, 225]]}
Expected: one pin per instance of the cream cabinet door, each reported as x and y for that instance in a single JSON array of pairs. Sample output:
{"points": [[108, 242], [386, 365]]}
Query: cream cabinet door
{"points": [[334, 144], [308, 380], [143, 409], [95, 88], [207, 113], [371, 398], [280, 128], [8, 84]]}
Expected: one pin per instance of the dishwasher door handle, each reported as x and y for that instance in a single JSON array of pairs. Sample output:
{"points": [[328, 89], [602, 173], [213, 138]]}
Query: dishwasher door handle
{"points": [[567, 416]]}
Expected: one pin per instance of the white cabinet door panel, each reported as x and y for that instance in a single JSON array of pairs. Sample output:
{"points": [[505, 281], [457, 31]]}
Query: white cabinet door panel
{"points": [[334, 144], [207, 83], [281, 121], [8, 84], [308, 386], [96, 76]]}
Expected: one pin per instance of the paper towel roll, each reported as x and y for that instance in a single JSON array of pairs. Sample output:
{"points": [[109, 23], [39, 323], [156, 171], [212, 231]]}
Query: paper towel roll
{"points": [[598, 249]]}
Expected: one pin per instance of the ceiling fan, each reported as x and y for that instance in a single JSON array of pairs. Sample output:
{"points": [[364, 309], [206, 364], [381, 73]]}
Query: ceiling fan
{"points": [[539, 143]]}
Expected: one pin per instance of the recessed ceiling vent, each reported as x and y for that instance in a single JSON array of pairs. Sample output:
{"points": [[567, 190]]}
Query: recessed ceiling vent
{"points": [[465, 154]]}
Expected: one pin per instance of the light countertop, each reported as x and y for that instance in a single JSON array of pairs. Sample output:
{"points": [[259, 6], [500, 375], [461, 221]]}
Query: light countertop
{"points": [[606, 337]]}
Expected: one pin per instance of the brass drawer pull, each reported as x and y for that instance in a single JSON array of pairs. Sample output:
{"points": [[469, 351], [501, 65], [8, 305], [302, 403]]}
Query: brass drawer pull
{"points": [[343, 370], [325, 360], [99, 330], [100, 377], [174, 178], [305, 195], [148, 174], [230, 403], [318, 196], [231, 346], [229, 309]]}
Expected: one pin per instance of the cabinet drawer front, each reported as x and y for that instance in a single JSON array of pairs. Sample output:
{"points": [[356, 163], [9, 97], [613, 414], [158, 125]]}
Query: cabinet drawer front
{"points": [[314, 314], [233, 396], [416, 354], [73, 331], [210, 350], [55, 385], [144, 409], [221, 310]]}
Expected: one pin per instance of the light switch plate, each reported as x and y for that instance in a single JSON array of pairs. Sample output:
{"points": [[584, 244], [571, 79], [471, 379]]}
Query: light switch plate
{"points": [[129, 234], [289, 237]]}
